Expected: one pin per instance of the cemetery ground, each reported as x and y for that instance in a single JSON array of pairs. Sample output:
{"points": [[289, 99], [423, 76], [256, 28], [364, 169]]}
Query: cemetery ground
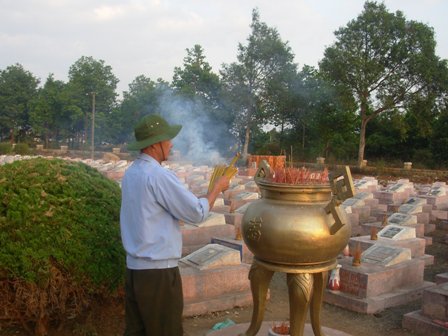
{"points": [[107, 318]]}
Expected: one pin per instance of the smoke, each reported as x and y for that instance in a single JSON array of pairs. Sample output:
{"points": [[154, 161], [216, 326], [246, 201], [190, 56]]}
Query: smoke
{"points": [[201, 139]]}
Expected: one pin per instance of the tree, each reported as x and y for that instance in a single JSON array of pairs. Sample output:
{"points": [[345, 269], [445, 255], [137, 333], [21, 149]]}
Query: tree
{"points": [[87, 78], [47, 110], [17, 89], [204, 101], [196, 79], [384, 61], [320, 117], [140, 100], [259, 62]]}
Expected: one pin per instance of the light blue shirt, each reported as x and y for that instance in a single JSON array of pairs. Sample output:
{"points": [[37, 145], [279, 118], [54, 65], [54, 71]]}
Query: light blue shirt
{"points": [[153, 201]]}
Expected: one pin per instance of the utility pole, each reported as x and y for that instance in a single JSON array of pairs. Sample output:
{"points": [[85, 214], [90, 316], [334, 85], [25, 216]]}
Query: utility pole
{"points": [[93, 125]]}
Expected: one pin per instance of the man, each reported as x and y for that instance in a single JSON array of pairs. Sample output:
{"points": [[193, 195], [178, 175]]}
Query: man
{"points": [[153, 202]]}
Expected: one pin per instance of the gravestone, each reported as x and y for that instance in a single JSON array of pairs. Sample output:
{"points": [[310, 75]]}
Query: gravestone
{"points": [[402, 219], [415, 201], [351, 203], [398, 187], [363, 195], [431, 319], [410, 209], [212, 219], [212, 256], [385, 255], [437, 191], [397, 232], [367, 183]]}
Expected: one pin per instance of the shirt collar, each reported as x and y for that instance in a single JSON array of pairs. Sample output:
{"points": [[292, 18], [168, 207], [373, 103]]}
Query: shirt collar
{"points": [[147, 158]]}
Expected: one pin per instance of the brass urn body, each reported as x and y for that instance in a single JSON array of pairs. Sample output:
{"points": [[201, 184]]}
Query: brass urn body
{"points": [[289, 227], [298, 229]]}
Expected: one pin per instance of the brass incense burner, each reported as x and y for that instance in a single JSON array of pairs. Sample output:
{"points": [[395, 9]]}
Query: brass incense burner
{"points": [[298, 229]]}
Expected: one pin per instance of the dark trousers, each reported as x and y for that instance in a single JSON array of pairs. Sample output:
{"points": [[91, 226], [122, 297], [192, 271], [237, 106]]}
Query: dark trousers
{"points": [[154, 302]]}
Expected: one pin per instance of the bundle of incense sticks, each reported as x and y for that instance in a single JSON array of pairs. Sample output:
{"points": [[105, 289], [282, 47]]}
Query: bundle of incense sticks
{"points": [[299, 176], [223, 170]]}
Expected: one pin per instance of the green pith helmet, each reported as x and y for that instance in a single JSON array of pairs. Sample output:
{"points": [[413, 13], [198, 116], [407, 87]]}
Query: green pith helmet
{"points": [[152, 129]]}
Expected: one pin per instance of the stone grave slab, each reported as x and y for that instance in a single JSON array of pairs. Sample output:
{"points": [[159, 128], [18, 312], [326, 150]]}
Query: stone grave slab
{"points": [[434, 308], [371, 288], [351, 203], [242, 198], [215, 289], [410, 209], [367, 183], [212, 219], [251, 186], [416, 245], [363, 195], [396, 188], [416, 200], [385, 255], [435, 302], [437, 191], [402, 219], [193, 237], [397, 232], [239, 245], [212, 256]]}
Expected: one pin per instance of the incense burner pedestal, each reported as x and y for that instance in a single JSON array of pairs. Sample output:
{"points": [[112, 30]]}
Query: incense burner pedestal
{"points": [[298, 230]]}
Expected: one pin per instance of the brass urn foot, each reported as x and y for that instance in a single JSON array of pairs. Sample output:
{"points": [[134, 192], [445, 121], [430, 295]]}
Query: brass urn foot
{"points": [[260, 278]]}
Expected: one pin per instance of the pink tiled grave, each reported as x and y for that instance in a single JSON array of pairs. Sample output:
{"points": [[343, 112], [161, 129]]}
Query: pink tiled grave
{"points": [[370, 287], [430, 318], [194, 237], [214, 279]]}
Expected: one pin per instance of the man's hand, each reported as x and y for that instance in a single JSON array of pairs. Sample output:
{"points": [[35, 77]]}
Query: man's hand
{"points": [[220, 185]]}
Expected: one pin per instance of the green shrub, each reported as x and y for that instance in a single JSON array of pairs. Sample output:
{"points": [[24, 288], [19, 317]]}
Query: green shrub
{"points": [[422, 158], [60, 239], [5, 148], [22, 148]]}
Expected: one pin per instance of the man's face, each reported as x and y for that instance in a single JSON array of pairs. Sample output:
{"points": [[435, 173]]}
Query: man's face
{"points": [[166, 148]]}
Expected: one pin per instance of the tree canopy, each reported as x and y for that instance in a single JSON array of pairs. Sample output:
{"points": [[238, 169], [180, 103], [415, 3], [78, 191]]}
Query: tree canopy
{"points": [[384, 61], [379, 91]]}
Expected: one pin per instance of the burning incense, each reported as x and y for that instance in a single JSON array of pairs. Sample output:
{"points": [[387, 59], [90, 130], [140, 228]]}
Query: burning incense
{"points": [[223, 170], [299, 176]]}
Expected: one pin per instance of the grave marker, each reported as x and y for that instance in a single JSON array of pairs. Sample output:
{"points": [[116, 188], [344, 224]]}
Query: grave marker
{"points": [[402, 219], [385, 255], [212, 256], [410, 209], [397, 232]]}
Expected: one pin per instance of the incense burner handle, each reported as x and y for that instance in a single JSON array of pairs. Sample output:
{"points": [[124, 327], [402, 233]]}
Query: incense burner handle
{"points": [[264, 171], [343, 188]]}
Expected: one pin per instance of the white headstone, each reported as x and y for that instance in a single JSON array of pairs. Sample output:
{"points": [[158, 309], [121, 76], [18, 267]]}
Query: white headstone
{"points": [[212, 220], [416, 201], [410, 209], [397, 187], [212, 256], [242, 209], [351, 203], [396, 232], [385, 255], [437, 191], [402, 219], [364, 195], [246, 195]]}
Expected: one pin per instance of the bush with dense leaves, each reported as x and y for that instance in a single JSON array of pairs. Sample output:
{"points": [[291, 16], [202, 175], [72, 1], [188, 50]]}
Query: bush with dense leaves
{"points": [[5, 148], [22, 148], [60, 240]]}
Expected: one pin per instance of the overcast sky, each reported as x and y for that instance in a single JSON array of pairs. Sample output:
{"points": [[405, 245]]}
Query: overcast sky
{"points": [[149, 37]]}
